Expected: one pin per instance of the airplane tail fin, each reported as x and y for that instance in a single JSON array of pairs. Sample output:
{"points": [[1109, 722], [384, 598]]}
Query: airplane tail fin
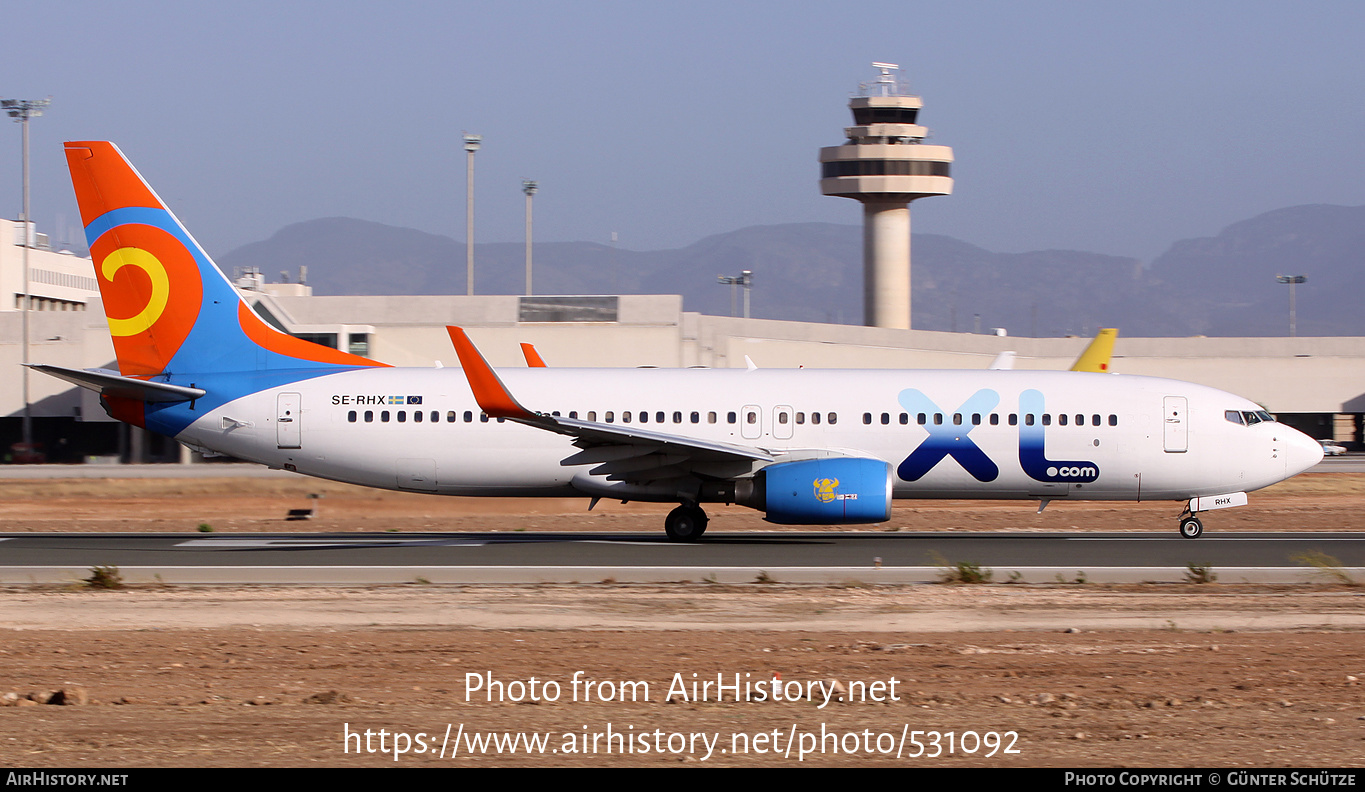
{"points": [[1096, 357], [170, 309]]}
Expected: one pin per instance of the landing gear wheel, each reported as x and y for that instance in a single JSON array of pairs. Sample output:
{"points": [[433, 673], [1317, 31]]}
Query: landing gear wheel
{"points": [[1191, 528], [685, 524]]}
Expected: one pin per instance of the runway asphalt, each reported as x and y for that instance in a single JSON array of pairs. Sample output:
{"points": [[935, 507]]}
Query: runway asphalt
{"points": [[794, 558]]}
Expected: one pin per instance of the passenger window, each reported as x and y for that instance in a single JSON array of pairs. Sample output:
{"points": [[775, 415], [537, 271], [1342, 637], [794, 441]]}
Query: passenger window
{"points": [[1061, 420], [1014, 419], [592, 415], [350, 416], [867, 418], [711, 417], [938, 419], [677, 417], [573, 414], [976, 419], [833, 418], [1113, 420], [1047, 419], [468, 416], [995, 419], [384, 416], [417, 416], [625, 416], [730, 417], [695, 417], [800, 418], [815, 418], [1094, 420], [450, 416], [1080, 420], [659, 417], [644, 417], [751, 417], [782, 417], [1028, 419], [369, 416], [905, 419], [957, 419], [483, 417], [402, 416], [921, 419], [886, 419]]}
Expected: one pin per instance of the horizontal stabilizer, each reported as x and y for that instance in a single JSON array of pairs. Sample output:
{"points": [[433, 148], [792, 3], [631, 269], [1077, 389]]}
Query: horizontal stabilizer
{"points": [[111, 383]]}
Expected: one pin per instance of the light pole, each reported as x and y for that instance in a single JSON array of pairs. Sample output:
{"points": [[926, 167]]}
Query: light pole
{"points": [[21, 110], [744, 279], [529, 187], [1292, 280], [471, 145]]}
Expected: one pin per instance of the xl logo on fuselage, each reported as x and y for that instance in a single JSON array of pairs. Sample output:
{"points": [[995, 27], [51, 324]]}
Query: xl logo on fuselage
{"points": [[950, 439]]}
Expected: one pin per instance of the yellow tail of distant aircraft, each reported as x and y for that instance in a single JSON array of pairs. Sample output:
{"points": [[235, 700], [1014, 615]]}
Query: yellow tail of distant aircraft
{"points": [[1095, 358]]}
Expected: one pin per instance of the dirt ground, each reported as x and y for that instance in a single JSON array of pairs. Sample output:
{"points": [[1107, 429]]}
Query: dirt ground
{"points": [[1002, 675], [1315, 501]]}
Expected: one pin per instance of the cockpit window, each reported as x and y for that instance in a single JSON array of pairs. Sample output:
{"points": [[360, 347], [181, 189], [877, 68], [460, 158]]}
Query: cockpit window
{"points": [[1253, 417], [1234, 416]]}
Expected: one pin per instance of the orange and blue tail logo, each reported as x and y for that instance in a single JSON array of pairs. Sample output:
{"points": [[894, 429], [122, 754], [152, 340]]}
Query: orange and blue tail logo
{"points": [[172, 313], [170, 309]]}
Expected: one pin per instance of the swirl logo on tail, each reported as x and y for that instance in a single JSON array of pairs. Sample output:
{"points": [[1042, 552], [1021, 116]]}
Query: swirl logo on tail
{"points": [[152, 292]]}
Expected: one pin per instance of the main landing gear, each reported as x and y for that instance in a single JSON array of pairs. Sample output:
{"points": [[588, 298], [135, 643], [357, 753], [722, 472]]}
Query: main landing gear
{"points": [[1190, 527], [685, 524]]}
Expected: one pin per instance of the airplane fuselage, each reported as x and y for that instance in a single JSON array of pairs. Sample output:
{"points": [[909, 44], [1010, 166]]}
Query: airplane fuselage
{"points": [[945, 434]]}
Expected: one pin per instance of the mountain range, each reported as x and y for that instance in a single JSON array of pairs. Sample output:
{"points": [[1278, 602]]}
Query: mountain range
{"points": [[1222, 285]]}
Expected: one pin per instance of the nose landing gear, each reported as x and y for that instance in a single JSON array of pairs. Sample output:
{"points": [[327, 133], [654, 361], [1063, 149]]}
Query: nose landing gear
{"points": [[1190, 526], [685, 524]]}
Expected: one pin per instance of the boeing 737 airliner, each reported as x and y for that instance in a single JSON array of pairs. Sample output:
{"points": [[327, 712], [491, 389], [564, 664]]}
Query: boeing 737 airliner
{"points": [[805, 446]]}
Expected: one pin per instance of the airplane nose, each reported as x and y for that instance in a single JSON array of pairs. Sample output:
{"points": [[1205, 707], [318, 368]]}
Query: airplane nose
{"points": [[1301, 452]]}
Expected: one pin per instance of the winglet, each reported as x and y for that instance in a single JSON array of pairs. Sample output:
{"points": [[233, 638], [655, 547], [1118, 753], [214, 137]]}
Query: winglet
{"points": [[1095, 358], [533, 358], [492, 396]]}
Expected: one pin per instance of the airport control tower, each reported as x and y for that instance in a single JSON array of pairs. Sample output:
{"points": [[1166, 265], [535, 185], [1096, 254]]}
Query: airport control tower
{"points": [[885, 165]]}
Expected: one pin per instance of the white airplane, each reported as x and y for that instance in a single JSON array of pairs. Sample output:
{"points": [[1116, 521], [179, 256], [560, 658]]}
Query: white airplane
{"points": [[804, 446]]}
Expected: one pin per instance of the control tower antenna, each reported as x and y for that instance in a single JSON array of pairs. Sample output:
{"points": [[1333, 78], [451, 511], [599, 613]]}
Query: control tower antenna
{"points": [[885, 164]]}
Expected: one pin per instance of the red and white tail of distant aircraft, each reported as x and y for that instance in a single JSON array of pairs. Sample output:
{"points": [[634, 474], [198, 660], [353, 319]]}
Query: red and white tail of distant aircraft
{"points": [[804, 446]]}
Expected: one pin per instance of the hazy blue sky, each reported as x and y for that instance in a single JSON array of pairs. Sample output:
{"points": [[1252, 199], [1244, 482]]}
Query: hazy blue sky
{"points": [[1115, 127]]}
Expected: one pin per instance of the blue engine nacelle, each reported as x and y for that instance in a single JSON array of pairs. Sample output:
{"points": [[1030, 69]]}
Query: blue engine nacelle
{"points": [[824, 491]]}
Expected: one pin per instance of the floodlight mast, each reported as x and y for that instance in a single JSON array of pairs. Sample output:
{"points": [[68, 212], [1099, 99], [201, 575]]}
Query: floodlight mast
{"points": [[21, 110], [529, 187], [471, 145], [1292, 280], [744, 280]]}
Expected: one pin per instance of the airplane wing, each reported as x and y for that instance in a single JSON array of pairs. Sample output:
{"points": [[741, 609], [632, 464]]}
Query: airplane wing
{"points": [[622, 452]]}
